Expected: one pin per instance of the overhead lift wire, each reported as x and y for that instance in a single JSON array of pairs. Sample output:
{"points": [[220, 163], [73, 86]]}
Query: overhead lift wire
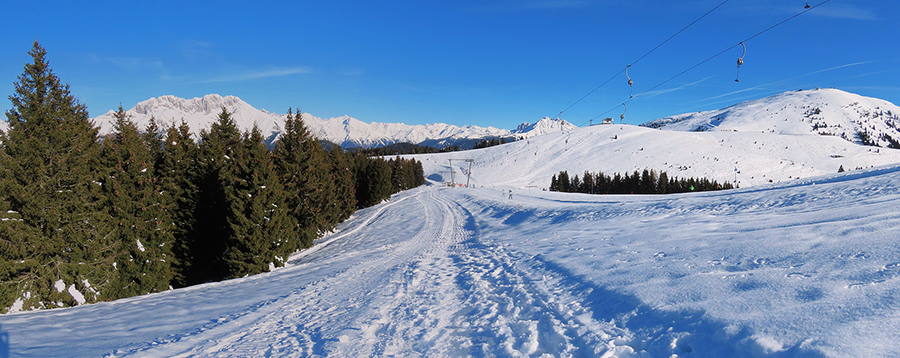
{"points": [[711, 57], [642, 57]]}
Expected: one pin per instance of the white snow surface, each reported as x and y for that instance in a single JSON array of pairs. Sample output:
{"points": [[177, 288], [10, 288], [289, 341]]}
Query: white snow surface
{"points": [[829, 112], [802, 269], [760, 158], [807, 265], [200, 113], [76, 295], [59, 285]]}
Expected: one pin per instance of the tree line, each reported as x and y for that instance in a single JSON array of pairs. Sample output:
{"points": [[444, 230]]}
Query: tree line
{"points": [[646, 182], [86, 218]]}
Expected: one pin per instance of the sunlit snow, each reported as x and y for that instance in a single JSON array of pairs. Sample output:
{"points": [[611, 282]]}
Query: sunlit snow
{"points": [[807, 265]]}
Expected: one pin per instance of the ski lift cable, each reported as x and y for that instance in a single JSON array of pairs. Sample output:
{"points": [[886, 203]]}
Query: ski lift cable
{"points": [[679, 32], [714, 56], [645, 55]]}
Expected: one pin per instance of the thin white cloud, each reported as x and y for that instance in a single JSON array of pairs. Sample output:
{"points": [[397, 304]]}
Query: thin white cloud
{"points": [[350, 71], [131, 63], [659, 92], [836, 67], [767, 85], [874, 88], [276, 72], [844, 11], [194, 49]]}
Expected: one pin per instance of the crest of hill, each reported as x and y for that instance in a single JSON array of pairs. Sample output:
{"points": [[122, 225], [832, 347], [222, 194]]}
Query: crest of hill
{"points": [[750, 159], [824, 112], [541, 127], [200, 113], [752, 143]]}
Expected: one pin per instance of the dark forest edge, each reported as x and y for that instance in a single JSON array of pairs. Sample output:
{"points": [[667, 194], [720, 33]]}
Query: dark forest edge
{"points": [[85, 218], [646, 182]]}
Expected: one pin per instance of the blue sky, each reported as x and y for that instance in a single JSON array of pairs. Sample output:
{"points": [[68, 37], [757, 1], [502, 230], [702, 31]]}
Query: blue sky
{"points": [[497, 63]]}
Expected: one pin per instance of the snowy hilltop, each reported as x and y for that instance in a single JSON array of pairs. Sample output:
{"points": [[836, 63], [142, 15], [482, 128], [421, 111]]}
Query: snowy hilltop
{"points": [[749, 158], [541, 127], [753, 143], [345, 131], [826, 112]]}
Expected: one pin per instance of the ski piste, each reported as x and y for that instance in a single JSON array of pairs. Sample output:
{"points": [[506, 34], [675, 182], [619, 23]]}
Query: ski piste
{"points": [[807, 268]]}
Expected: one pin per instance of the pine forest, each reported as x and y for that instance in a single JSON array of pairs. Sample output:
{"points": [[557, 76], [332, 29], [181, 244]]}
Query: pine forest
{"points": [[87, 218], [645, 182]]}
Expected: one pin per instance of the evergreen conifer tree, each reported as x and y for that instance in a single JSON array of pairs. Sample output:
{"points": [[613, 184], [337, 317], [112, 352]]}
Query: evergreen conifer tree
{"points": [[153, 137], [258, 219], [143, 228], [218, 148], [299, 168], [344, 202], [179, 176], [52, 183]]}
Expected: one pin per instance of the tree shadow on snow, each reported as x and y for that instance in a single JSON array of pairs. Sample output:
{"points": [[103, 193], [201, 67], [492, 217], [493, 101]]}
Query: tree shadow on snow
{"points": [[4, 343], [662, 333]]}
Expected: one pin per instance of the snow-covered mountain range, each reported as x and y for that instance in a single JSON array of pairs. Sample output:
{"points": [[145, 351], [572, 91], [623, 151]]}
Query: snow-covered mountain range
{"points": [[200, 113]]}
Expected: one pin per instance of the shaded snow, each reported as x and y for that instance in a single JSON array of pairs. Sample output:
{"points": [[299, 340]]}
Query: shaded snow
{"points": [[807, 268]]}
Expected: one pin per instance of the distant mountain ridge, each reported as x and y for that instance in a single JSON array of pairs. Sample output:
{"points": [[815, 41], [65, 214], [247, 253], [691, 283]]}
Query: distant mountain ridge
{"points": [[828, 112], [348, 132]]}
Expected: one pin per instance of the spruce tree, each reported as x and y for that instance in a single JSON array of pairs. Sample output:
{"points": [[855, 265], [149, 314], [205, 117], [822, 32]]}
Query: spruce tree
{"points": [[218, 147], [259, 220], [663, 186], [179, 175], [344, 202], [294, 165], [153, 137], [143, 228], [378, 180], [53, 181]]}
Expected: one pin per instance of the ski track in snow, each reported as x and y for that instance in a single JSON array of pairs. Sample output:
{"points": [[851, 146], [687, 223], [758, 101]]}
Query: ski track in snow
{"points": [[805, 269], [441, 293]]}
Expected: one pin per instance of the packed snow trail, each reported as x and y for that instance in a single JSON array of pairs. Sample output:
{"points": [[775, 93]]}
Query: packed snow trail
{"points": [[806, 269], [429, 287]]}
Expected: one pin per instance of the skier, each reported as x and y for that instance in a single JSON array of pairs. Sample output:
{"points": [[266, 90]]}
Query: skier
{"points": [[510, 194]]}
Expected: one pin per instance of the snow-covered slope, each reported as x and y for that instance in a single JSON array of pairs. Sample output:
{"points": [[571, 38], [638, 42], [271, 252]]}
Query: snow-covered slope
{"points": [[828, 112], [807, 269], [751, 158], [200, 113]]}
